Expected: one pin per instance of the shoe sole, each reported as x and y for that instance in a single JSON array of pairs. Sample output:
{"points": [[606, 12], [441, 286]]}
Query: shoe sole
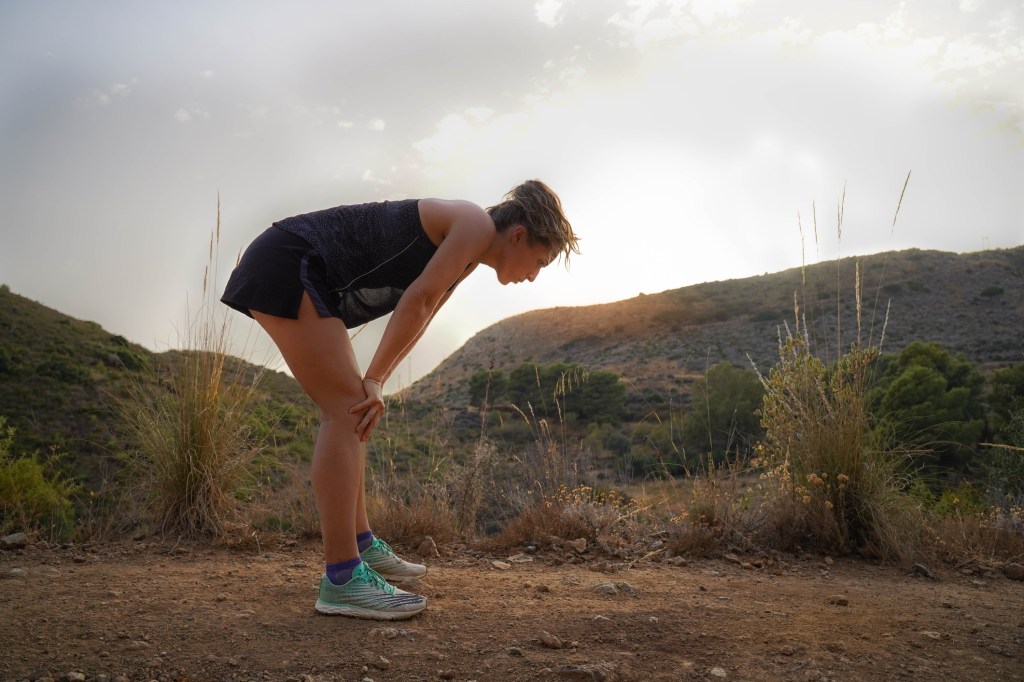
{"points": [[358, 612]]}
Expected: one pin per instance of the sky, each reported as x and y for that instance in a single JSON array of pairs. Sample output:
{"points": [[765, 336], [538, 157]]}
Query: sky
{"points": [[690, 140]]}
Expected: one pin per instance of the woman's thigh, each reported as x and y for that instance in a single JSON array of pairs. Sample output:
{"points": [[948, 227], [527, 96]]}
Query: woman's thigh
{"points": [[320, 355]]}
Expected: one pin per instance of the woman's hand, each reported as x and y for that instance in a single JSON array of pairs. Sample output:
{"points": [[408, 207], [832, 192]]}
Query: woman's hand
{"points": [[373, 407]]}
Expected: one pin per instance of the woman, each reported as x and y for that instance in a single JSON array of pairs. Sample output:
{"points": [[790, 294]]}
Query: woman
{"points": [[309, 278]]}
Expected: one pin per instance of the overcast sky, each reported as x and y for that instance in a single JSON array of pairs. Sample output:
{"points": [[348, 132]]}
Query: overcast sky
{"points": [[684, 137]]}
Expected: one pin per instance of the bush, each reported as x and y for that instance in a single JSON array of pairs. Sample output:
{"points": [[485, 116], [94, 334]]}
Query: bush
{"points": [[33, 494], [832, 484], [192, 440]]}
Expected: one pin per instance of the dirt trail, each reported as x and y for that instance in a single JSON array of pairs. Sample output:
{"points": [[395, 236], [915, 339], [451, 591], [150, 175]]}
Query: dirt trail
{"points": [[154, 612]]}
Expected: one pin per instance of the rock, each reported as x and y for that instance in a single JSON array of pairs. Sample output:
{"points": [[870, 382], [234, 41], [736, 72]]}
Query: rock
{"points": [[595, 672], [1014, 572], [787, 650], [717, 672], [921, 570], [14, 573], [579, 544], [656, 545], [838, 600], [74, 676], [931, 634], [428, 548], [677, 561], [501, 565], [732, 558], [446, 675], [549, 640], [627, 588], [543, 588], [13, 541], [605, 588], [381, 663], [520, 558], [829, 560], [515, 651]]}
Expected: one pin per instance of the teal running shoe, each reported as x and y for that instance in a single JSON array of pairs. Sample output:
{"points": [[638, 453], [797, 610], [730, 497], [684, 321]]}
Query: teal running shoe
{"points": [[367, 595], [381, 558]]}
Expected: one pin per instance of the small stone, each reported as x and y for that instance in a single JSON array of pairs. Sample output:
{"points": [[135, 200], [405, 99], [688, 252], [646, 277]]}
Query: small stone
{"points": [[428, 548], [922, 570], [605, 588], [579, 544], [931, 634], [590, 672], [16, 573], [732, 558], [677, 561], [74, 676], [446, 675], [717, 672], [221, 597], [501, 565], [549, 640], [520, 558], [14, 541], [627, 588], [656, 545], [838, 600], [829, 560], [515, 651], [787, 650], [1014, 572], [382, 663], [747, 565], [543, 588]]}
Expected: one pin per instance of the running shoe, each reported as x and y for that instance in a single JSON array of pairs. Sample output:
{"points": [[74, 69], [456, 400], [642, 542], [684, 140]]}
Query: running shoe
{"points": [[367, 595], [381, 558]]}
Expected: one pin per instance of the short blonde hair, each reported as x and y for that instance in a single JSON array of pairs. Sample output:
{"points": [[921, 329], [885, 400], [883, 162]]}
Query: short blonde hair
{"points": [[537, 208]]}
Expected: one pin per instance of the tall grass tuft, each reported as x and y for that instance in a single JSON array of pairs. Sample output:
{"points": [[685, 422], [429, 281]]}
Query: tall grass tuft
{"points": [[832, 483], [191, 441]]}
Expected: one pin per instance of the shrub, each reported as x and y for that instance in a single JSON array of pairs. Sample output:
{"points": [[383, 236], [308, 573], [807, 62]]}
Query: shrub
{"points": [[33, 495], [831, 483], [191, 440], [991, 291]]}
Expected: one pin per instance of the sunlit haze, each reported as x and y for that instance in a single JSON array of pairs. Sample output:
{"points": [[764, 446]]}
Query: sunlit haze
{"points": [[684, 137]]}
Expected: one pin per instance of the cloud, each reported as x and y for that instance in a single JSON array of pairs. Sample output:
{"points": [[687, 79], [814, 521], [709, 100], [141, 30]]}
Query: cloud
{"points": [[185, 115], [101, 97], [548, 12], [377, 125]]}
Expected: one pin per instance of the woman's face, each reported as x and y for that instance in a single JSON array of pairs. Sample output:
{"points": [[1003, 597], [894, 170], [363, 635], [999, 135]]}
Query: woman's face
{"points": [[523, 261]]}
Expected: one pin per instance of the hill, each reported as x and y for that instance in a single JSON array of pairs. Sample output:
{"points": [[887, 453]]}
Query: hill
{"points": [[970, 303], [59, 378]]}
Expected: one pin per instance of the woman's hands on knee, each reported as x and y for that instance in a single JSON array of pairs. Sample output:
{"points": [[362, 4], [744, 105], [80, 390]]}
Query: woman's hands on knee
{"points": [[372, 407]]}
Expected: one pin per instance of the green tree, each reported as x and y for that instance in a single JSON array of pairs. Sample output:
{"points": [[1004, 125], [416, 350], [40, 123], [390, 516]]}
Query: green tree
{"points": [[930, 397], [724, 412], [1006, 396], [488, 384]]}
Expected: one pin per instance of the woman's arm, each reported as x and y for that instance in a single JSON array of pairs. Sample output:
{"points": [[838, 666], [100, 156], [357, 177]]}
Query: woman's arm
{"points": [[470, 232]]}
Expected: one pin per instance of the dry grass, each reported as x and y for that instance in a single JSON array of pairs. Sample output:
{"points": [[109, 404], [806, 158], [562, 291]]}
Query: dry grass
{"points": [[190, 441]]}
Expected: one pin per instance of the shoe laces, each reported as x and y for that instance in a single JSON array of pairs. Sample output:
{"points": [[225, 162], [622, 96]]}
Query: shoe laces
{"points": [[383, 546], [378, 580]]}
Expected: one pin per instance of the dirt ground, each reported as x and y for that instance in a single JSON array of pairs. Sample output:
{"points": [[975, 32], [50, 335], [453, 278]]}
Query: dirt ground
{"points": [[151, 611]]}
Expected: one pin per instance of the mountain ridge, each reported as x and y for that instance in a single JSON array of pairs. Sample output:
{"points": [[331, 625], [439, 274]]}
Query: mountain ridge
{"points": [[972, 303]]}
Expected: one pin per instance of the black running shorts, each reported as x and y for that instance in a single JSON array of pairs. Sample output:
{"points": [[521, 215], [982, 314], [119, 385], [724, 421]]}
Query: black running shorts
{"points": [[274, 272]]}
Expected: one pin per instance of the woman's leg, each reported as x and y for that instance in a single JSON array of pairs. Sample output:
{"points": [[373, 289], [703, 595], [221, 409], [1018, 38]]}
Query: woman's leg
{"points": [[319, 353]]}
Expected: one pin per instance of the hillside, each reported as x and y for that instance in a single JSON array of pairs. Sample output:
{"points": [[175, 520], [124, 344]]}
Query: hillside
{"points": [[970, 303], [59, 378]]}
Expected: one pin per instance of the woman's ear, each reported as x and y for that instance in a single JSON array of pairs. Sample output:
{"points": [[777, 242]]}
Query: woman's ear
{"points": [[518, 233]]}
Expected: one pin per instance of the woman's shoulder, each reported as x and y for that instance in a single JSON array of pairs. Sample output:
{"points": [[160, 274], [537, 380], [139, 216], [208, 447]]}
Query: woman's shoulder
{"points": [[440, 216]]}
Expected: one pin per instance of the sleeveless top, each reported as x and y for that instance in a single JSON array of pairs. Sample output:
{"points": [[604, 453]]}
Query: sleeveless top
{"points": [[372, 252]]}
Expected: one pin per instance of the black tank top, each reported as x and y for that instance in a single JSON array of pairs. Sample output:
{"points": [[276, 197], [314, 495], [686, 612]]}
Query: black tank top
{"points": [[373, 252]]}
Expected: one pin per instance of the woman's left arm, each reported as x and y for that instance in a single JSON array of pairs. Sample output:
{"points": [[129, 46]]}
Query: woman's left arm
{"points": [[469, 234]]}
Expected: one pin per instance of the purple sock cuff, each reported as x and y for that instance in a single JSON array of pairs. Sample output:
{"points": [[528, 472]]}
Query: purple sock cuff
{"points": [[368, 535], [343, 565]]}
